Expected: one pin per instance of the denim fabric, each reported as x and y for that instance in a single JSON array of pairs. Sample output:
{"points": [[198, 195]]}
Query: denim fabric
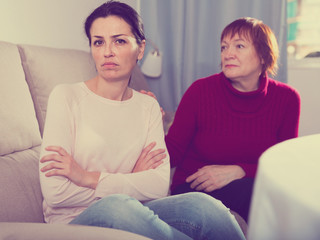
{"points": [[236, 195], [186, 216]]}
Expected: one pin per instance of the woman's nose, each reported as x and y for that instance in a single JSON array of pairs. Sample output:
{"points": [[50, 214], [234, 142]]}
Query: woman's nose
{"points": [[229, 53], [108, 50]]}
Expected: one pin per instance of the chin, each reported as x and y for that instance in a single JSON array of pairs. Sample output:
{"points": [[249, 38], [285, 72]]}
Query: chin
{"points": [[229, 75], [115, 77]]}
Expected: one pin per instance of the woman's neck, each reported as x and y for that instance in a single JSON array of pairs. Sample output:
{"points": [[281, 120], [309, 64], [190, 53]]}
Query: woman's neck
{"points": [[245, 85], [113, 90]]}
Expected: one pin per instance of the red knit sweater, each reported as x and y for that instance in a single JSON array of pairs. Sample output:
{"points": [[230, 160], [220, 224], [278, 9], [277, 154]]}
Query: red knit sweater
{"points": [[217, 124]]}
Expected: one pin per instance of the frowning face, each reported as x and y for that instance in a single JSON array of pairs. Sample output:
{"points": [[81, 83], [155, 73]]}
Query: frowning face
{"points": [[114, 48]]}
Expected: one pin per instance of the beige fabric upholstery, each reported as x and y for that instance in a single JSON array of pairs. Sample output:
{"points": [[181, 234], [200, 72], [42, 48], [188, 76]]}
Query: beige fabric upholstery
{"points": [[18, 125], [21, 198], [46, 67], [242, 223], [38, 231], [138, 81]]}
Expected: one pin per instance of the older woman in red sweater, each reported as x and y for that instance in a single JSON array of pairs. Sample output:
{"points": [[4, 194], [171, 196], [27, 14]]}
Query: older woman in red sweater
{"points": [[224, 122]]}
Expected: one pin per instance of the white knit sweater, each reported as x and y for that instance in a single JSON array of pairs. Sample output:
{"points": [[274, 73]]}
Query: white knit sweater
{"points": [[106, 136]]}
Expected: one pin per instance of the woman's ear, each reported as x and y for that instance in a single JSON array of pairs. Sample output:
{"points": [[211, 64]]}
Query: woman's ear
{"points": [[142, 46]]}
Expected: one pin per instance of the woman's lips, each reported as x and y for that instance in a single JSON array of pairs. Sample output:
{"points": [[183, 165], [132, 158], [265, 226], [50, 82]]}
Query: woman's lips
{"points": [[230, 66], [109, 65]]}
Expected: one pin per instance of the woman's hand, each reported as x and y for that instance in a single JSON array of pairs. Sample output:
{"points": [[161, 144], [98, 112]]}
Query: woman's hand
{"points": [[149, 159], [151, 94], [212, 177], [61, 163]]}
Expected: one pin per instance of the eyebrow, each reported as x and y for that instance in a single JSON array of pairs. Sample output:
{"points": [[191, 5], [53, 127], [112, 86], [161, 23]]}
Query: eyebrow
{"points": [[113, 36], [240, 39], [236, 40]]}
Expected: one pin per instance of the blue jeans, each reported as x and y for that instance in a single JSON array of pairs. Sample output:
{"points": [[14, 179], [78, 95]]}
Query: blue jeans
{"points": [[236, 195], [186, 216]]}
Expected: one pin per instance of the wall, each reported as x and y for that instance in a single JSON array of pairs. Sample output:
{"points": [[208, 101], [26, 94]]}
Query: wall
{"points": [[304, 75], [53, 23]]}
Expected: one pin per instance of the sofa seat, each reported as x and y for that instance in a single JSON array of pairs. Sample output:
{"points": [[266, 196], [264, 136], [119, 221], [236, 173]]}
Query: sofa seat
{"points": [[33, 231]]}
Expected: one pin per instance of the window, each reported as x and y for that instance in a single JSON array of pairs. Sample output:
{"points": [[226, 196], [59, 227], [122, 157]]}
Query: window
{"points": [[303, 35]]}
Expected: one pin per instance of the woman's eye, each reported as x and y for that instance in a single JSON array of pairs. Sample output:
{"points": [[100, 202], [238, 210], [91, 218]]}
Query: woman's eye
{"points": [[97, 42], [120, 41], [240, 46], [223, 48]]}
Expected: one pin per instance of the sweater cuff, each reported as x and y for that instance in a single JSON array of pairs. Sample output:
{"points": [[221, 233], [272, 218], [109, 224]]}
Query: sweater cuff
{"points": [[249, 169]]}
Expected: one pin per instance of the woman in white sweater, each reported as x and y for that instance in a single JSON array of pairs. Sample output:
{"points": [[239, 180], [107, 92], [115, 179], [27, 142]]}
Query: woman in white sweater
{"points": [[104, 161]]}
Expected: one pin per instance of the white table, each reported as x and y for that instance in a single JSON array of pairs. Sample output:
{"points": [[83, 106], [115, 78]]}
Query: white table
{"points": [[286, 198]]}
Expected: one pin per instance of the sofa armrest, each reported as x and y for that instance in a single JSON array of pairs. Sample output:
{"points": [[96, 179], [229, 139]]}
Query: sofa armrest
{"points": [[43, 231], [242, 223]]}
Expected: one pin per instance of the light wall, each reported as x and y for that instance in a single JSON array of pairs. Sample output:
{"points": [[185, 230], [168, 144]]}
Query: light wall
{"points": [[304, 75], [52, 23]]}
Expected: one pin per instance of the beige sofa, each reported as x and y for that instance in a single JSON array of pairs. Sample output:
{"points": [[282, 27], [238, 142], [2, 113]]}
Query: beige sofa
{"points": [[27, 75]]}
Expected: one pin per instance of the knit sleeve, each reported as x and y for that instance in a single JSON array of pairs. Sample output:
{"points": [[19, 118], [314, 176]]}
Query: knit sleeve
{"points": [[183, 128], [249, 169], [59, 191], [290, 124]]}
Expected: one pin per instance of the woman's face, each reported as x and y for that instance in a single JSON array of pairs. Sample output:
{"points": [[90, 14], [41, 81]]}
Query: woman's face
{"points": [[114, 48], [239, 59]]}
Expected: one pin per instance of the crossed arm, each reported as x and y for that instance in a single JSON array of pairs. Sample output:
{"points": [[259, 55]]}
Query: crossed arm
{"points": [[61, 163]]}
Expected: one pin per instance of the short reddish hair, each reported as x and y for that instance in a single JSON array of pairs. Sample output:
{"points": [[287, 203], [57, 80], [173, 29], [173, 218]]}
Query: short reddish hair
{"points": [[262, 38]]}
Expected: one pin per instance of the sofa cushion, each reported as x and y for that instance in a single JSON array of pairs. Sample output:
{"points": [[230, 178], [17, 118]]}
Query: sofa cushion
{"points": [[46, 67], [18, 124], [138, 80], [40, 231], [21, 199]]}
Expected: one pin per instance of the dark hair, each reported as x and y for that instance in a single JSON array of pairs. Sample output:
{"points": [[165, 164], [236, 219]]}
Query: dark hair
{"points": [[121, 10], [262, 37]]}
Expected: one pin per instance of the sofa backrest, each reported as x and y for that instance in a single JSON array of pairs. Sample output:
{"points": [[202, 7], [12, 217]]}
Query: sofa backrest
{"points": [[18, 123], [45, 67], [20, 193]]}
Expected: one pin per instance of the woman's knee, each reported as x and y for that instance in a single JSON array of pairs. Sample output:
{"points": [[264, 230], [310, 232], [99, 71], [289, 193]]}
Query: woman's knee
{"points": [[205, 201], [119, 205], [205, 213], [199, 206], [108, 211]]}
